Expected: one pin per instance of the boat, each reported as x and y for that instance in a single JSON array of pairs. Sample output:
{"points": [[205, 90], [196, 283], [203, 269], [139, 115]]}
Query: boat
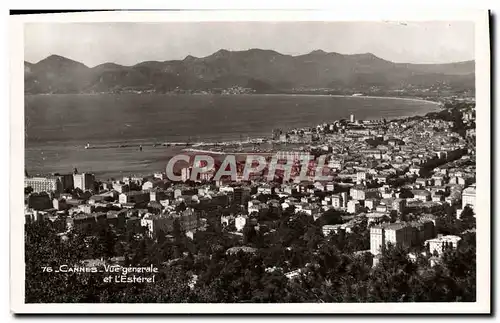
{"points": [[87, 146]]}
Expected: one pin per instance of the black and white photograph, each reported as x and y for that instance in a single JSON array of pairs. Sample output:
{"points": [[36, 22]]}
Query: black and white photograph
{"points": [[299, 162]]}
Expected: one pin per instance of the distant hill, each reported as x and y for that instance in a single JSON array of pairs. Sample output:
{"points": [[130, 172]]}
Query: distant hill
{"points": [[27, 67], [261, 70], [459, 68], [56, 74]]}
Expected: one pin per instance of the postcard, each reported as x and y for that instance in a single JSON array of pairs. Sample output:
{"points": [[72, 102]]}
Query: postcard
{"points": [[250, 162]]}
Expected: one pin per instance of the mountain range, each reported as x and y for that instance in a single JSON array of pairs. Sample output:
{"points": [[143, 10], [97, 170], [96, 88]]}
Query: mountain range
{"points": [[261, 70]]}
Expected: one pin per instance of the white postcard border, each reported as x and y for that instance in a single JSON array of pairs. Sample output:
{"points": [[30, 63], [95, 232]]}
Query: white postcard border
{"points": [[482, 58]]}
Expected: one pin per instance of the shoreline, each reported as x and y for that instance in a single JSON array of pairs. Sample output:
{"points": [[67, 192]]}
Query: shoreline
{"points": [[415, 99], [204, 151], [207, 151]]}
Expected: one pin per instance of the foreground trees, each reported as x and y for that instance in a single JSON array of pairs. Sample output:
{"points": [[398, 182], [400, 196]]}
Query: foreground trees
{"points": [[201, 271]]}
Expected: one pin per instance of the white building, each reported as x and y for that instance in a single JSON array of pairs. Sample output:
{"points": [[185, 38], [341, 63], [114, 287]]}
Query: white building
{"points": [[160, 176], [371, 203], [185, 174], [469, 197], [337, 201], [357, 193], [149, 185], [260, 208], [360, 176], [353, 206], [394, 233], [327, 229], [42, 184], [226, 220], [83, 181], [120, 187], [240, 222], [439, 244]]}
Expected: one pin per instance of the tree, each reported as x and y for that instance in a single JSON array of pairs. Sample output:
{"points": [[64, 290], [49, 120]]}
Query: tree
{"points": [[405, 193], [177, 231], [313, 237], [140, 253], [393, 215], [331, 217], [391, 277], [107, 239], [467, 218], [161, 237], [181, 207], [249, 234]]}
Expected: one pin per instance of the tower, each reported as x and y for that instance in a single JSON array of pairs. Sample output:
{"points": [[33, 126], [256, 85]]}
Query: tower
{"points": [[343, 202]]}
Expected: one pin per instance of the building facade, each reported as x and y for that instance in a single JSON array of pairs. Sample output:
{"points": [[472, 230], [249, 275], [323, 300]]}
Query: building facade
{"points": [[43, 184], [469, 197], [404, 234], [134, 197], [165, 223], [83, 181], [440, 244], [241, 195]]}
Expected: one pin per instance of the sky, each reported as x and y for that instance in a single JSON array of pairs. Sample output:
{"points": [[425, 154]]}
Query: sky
{"points": [[130, 43]]}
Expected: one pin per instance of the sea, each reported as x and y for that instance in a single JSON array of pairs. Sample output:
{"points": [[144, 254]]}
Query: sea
{"points": [[59, 127]]}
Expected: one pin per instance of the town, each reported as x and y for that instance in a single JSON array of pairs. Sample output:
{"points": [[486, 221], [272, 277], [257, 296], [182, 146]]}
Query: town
{"points": [[404, 185]]}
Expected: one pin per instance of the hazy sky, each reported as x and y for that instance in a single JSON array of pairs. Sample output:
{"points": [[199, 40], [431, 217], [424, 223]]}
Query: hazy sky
{"points": [[130, 43]]}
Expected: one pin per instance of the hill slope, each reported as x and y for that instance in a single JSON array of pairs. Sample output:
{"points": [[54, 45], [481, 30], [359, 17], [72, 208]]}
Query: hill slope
{"points": [[262, 70]]}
